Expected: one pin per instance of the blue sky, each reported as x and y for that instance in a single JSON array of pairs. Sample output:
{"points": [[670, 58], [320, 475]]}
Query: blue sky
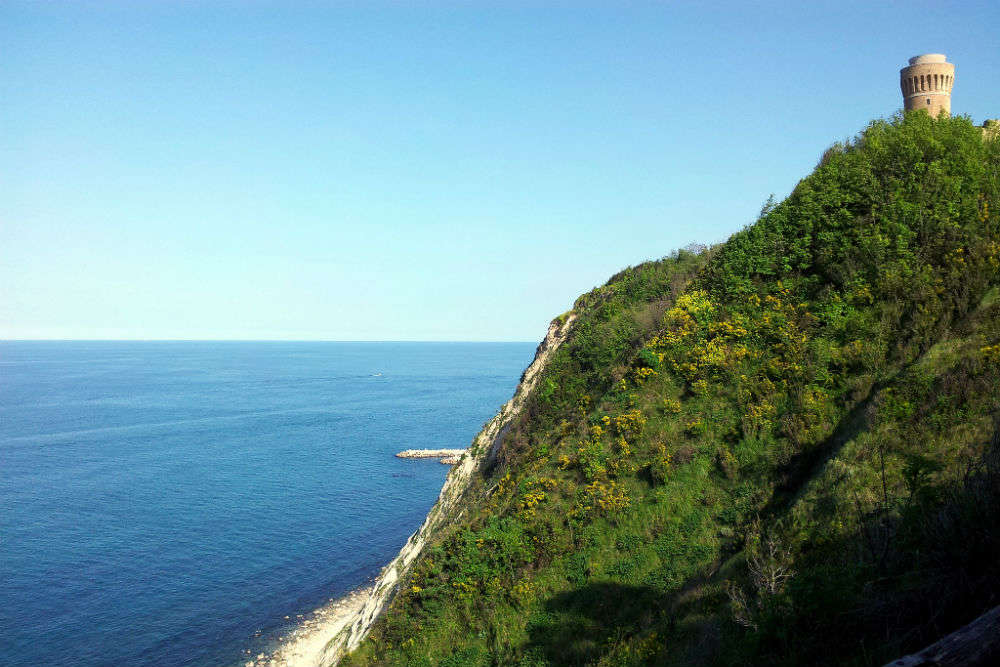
{"points": [[414, 170]]}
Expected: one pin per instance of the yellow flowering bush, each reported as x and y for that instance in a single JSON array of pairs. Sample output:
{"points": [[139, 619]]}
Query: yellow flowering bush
{"points": [[630, 423], [622, 461], [605, 498], [694, 426], [529, 503], [758, 418], [671, 406], [643, 373], [464, 589], [523, 591], [659, 467], [592, 457], [991, 353]]}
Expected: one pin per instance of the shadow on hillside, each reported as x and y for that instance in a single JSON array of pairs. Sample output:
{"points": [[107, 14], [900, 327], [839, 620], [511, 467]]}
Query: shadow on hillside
{"points": [[581, 625], [911, 574], [805, 465]]}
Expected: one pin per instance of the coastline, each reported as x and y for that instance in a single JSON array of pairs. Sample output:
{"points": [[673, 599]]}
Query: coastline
{"points": [[480, 454], [337, 628], [303, 646]]}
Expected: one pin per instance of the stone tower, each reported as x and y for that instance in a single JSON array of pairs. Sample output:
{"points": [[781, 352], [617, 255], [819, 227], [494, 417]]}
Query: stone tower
{"points": [[926, 84]]}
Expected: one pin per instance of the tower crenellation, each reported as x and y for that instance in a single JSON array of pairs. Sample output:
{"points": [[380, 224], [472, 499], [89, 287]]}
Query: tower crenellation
{"points": [[926, 84]]}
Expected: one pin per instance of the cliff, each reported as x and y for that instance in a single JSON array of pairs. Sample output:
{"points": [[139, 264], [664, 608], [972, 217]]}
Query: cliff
{"points": [[781, 450], [448, 507]]}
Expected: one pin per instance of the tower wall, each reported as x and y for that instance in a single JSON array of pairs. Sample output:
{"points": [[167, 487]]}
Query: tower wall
{"points": [[926, 84]]}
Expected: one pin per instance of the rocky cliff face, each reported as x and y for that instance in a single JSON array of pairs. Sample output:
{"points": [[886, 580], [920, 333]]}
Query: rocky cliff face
{"points": [[479, 455]]}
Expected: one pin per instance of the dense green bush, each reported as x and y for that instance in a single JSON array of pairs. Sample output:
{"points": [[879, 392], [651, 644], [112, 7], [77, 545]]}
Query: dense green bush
{"points": [[780, 450]]}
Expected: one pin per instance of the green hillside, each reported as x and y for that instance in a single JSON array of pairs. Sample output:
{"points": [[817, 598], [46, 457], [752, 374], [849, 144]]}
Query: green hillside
{"points": [[782, 450]]}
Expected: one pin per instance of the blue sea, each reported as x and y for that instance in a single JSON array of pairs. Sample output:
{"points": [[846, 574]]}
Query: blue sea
{"points": [[170, 503]]}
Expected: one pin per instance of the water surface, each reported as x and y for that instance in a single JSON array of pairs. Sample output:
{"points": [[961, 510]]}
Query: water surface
{"points": [[169, 503]]}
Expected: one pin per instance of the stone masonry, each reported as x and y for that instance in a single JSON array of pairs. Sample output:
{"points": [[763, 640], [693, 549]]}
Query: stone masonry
{"points": [[926, 84]]}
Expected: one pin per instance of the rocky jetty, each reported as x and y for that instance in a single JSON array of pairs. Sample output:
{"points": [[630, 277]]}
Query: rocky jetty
{"points": [[447, 456]]}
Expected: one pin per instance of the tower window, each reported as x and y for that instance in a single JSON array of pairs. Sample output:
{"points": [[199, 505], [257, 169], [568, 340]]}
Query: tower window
{"points": [[928, 100]]}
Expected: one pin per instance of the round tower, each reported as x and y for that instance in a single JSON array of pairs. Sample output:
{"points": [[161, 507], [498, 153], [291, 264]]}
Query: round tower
{"points": [[926, 84]]}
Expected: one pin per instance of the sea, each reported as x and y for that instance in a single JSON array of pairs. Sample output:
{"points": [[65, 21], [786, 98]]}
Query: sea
{"points": [[171, 503]]}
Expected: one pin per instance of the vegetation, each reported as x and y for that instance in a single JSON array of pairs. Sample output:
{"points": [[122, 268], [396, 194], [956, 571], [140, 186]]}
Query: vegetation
{"points": [[781, 450]]}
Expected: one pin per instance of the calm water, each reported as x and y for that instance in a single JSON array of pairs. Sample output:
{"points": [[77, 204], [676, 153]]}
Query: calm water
{"points": [[160, 503]]}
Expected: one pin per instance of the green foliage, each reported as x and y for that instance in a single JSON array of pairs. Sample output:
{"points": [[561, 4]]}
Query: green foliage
{"points": [[782, 443]]}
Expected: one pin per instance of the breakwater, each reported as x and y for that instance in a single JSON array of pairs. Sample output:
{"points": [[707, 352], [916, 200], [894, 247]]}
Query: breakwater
{"points": [[447, 456]]}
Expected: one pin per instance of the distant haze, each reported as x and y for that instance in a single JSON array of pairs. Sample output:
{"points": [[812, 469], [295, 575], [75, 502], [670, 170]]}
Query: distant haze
{"points": [[417, 171]]}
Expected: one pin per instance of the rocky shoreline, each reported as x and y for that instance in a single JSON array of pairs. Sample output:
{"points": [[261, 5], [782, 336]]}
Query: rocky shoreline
{"points": [[303, 646], [447, 456]]}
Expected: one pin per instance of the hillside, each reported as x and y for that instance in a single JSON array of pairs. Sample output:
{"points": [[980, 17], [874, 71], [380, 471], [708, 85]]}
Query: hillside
{"points": [[782, 450]]}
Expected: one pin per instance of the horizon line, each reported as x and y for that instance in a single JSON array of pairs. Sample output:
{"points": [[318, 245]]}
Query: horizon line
{"points": [[248, 340]]}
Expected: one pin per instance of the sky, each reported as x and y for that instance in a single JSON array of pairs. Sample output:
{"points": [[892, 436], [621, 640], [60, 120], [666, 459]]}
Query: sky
{"points": [[414, 170]]}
